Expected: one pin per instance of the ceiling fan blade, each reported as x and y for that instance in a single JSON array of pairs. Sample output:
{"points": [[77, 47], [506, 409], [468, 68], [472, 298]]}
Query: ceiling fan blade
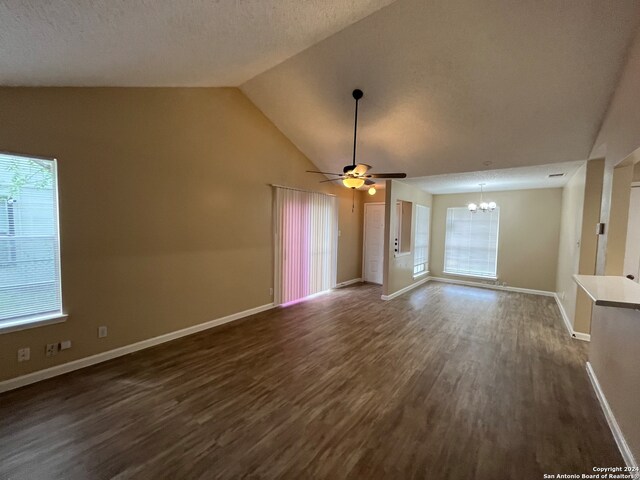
{"points": [[369, 182], [324, 173], [387, 175], [331, 180], [361, 169]]}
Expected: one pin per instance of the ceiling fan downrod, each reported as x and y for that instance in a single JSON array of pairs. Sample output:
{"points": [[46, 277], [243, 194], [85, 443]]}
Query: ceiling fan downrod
{"points": [[357, 94]]}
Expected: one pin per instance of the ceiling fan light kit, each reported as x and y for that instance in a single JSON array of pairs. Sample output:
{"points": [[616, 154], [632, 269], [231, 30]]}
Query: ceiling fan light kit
{"points": [[356, 175], [353, 182], [482, 206]]}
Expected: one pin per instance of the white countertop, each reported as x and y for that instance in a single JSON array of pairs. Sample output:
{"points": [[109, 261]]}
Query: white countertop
{"points": [[610, 291]]}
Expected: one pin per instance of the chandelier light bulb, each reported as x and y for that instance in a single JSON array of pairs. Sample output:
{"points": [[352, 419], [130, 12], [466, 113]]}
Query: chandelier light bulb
{"points": [[372, 191], [482, 206]]}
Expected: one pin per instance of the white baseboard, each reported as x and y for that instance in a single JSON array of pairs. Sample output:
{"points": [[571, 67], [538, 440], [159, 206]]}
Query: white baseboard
{"points": [[585, 337], [348, 282], [492, 286], [34, 377], [627, 455], [405, 289], [565, 317]]}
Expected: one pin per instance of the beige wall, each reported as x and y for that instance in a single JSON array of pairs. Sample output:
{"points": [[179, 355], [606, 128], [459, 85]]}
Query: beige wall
{"points": [[615, 335], [613, 354], [398, 271], [619, 136], [165, 209], [636, 172], [589, 240], [618, 220], [570, 237], [527, 240]]}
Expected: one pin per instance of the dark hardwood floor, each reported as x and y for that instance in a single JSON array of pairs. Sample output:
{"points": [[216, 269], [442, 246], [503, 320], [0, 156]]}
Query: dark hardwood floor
{"points": [[444, 382]]}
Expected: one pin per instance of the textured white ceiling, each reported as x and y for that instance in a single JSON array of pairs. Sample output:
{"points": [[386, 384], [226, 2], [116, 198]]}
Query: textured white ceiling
{"points": [[450, 84], [520, 178], [161, 42]]}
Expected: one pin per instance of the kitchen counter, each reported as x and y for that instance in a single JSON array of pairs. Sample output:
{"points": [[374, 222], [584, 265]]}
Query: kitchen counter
{"points": [[610, 291]]}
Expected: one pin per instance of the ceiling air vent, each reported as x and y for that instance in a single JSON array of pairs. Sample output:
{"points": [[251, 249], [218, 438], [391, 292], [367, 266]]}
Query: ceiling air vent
{"points": [[555, 175]]}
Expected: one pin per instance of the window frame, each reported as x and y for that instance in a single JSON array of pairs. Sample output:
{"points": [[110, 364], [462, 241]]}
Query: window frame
{"points": [[59, 316], [422, 268]]}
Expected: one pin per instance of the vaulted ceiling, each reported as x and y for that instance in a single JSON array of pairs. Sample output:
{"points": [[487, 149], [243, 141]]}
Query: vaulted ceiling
{"points": [[161, 42], [450, 85]]}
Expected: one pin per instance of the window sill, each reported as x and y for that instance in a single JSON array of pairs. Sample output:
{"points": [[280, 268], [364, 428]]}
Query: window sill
{"points": [[469, 275], [421, 274], [16, 325]]}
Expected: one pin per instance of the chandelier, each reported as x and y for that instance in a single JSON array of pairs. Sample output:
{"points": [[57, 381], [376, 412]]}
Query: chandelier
{"points": [[482, 206]]}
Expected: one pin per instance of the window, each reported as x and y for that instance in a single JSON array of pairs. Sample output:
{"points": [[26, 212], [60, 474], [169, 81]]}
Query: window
{"points": [[421, 244], [471, 246], [29, 244]]}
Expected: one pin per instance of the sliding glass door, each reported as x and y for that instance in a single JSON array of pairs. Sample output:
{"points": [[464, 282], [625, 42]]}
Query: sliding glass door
{"points": [[306, 234]]}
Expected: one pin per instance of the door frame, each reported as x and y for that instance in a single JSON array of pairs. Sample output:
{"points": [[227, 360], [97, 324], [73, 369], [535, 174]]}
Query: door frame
{"points": [[364, 236]]}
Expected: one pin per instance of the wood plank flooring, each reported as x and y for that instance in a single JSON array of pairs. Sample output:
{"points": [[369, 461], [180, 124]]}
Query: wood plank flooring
{"points": [[444, 382]]}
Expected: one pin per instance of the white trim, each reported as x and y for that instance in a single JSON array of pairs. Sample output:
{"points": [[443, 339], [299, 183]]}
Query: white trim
{"points": [[585, 337], [348, 282], [405, 289], [565, 317], [18, 382], [493, 287], [24, 324], [618, 436], [421, 274], [364, 235], [470, 275]]}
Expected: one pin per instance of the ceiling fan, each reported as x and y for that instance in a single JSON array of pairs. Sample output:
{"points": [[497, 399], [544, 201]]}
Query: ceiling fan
{"points": [[356, 175]]}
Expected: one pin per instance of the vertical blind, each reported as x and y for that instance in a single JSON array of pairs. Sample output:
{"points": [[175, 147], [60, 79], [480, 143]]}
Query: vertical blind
{"points": [[421, 248], [306, 235], [29, 243], [471, 245]]}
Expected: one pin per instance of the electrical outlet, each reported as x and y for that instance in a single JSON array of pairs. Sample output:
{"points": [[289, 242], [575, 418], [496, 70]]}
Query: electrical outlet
{"points": [[24, 354], [65, 345], [52, 349], [102, 331]]}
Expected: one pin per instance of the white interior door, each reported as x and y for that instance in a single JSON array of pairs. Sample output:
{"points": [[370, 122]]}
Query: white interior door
{"points": [[373, 242], [632, 252]]}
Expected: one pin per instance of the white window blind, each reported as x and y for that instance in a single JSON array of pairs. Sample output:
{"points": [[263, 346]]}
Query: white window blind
{"points": [[471, 245], [421, 243], [306, 226], [29, 243]]}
